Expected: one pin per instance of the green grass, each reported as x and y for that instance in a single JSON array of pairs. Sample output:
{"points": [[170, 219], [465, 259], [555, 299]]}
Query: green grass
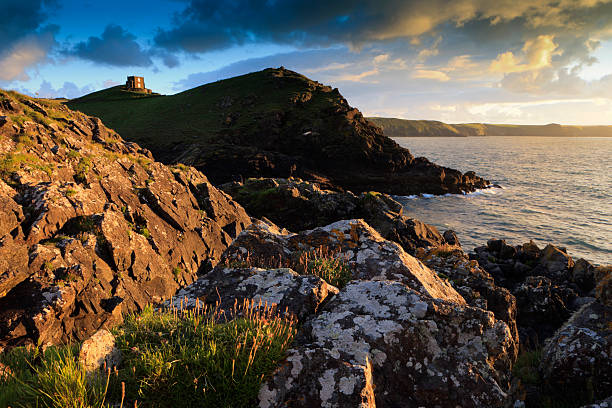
{"points": [[526, 367], [198, 114], [10, 163], [171, 358], [51, 379]]}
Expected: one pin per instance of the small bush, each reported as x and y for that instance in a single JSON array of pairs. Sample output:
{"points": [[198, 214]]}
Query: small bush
{"points": [[82, 169], [526, 367], [70, 192]]}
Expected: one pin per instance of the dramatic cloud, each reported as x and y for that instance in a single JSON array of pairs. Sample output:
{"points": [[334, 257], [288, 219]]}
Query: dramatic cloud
{"points": [[115, 47], [210, 24], [24, 42]]}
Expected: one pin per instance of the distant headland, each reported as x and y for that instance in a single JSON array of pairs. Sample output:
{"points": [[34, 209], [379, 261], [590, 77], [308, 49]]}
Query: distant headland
{"points": [[394, 127]]}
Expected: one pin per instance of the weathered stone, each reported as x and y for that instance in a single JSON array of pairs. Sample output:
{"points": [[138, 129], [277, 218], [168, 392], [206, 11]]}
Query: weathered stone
{"points": [[423, 352], [99, 351], [91, 227], [334, 383], [368, 254], [284, 288], [300, 205], [578, 356]]}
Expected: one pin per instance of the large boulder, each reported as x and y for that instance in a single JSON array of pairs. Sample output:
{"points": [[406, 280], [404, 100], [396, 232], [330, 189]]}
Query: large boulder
{"points": [[91, 227], [368, 255], [412, 349]]}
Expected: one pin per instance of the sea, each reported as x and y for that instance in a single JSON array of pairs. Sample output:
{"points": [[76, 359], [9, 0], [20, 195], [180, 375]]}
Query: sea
{"points": [[553, 190]]}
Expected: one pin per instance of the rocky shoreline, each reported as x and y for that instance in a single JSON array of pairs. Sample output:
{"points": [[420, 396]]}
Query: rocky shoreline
{"points": [[390, 311]]}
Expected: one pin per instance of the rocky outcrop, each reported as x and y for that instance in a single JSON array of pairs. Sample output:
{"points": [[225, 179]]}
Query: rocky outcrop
{"points": [[91, 227], [276, 123], [420, 351], [392, 334], [548, 284], [577, 359], [299, 205]]}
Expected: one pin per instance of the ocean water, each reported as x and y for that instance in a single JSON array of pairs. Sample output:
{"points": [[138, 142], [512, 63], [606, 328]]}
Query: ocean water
{"points": [[555, 190]]}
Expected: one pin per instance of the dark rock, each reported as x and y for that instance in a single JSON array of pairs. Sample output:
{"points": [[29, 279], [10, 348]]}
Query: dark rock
{"points": [[451, 238], [543, 307], [300, 205], [583, 274], [577, 357]]}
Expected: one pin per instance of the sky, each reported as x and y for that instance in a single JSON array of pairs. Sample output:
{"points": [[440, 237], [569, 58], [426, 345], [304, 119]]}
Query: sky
{"points": [[494, 61]]}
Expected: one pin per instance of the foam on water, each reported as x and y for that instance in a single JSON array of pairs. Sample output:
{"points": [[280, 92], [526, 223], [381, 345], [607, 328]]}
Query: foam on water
{"points": [[556, 190]]}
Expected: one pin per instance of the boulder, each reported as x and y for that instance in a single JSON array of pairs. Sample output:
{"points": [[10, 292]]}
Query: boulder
{"points": [[542, 308], [421, 352], [577, 357], [99, 352], [368, 255], [288, 291]]}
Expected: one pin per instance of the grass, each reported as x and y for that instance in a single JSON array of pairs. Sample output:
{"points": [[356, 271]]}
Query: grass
{"points": [[526, 367], [322, 262], [51, 379], [10, 163], [171, 358], [198, 114]]}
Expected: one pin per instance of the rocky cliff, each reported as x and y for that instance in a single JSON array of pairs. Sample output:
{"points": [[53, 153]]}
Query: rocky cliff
{"points": [[91, 226], [273, 123]]}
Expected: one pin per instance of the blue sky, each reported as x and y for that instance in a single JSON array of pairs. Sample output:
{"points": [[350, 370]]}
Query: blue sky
{"points": [[507, 61]]}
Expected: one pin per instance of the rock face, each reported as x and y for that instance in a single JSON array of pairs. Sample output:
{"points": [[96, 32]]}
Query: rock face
{"points": [[91, 227], [300, 205], [277, 123], [395, 335], [548, 285]]}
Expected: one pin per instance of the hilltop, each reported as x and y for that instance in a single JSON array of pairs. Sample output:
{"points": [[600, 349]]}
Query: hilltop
{"points": [[394, 127], [272, 123]]}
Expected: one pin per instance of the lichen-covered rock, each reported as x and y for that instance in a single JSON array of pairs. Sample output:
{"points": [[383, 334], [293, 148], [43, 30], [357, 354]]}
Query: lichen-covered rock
{"points": [[334, 383], [369, 256], [300, 205], [99, 351], [296, 294], [91, 227], [578, 357], [422, 352], [475, 284]]}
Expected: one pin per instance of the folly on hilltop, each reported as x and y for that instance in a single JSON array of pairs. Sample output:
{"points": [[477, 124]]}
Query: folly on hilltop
{"points": [[137, 84]]}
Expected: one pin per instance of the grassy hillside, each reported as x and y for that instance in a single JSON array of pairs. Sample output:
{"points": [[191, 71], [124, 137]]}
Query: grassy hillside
{"points": [[393, 127], [199, 114]]}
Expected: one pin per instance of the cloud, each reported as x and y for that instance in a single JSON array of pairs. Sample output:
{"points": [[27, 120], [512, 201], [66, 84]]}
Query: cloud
{"points": [[206, 25], [68, 90], [537, 54], [115, 47], [25, 53], [358, 77], [430, 74], [25, 41]]}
